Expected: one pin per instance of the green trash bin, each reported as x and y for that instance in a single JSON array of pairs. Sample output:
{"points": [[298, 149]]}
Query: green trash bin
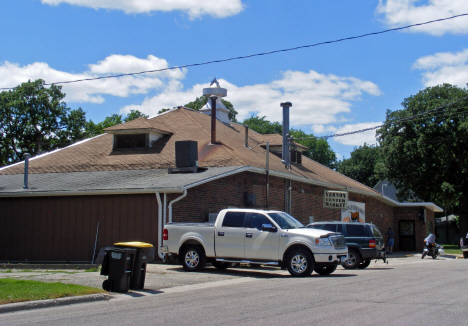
{"points": [[144, 255], [118, 265]]}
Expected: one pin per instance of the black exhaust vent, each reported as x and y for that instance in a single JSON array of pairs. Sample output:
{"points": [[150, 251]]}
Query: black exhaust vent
{"points": [[186, 153]]}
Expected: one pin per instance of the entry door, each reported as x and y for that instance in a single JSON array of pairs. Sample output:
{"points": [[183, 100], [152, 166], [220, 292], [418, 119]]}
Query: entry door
{"points": [[260, 245], [407, 236], [230, 237]]}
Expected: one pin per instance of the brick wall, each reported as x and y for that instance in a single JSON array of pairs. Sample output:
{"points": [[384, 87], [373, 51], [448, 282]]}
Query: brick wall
{"points": [[307, 200]]}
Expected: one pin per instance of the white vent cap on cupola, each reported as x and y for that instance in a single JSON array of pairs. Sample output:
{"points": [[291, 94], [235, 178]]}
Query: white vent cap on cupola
{"points": [[222, 114]]}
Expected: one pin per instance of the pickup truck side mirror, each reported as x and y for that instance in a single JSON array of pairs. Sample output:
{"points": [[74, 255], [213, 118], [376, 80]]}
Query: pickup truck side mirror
{"points": [[269, 228]]}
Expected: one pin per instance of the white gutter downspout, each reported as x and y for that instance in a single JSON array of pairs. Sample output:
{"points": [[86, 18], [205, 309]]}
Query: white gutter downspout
{"points": [[172, 202], [158, 198]]}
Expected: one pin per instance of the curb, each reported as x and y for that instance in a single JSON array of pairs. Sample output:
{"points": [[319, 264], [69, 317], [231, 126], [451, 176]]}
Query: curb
{"points": [[30, 305]]}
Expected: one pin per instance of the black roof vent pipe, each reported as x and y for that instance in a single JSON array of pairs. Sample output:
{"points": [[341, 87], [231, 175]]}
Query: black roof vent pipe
{"points": [[26, 168], [285, 153], [246, 136]]}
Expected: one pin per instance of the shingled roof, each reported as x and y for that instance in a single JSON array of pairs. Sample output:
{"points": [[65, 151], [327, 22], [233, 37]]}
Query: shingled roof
{"points": [[97, 154]]}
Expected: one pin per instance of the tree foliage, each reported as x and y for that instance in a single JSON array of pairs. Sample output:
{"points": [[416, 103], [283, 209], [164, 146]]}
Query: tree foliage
{"points": [[425, 148], [319, 149], [135, 114], [35, 119], [363, 165], [201, 101], [94, 129], [263, 126]]}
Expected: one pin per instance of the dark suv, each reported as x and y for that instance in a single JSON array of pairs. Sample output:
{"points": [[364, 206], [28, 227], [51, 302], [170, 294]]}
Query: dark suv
{"points": [[364, 241]]}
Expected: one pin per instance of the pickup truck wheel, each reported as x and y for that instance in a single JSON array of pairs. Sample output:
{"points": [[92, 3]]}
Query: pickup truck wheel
{"points": [[325, 270], [193, 259], [300, 263], [220, 265], [465, 254], [353, 261], [364, 264]]}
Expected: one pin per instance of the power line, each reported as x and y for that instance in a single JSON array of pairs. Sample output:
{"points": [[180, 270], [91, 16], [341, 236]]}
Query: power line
{"points": [[253, 55], [391, 122]]}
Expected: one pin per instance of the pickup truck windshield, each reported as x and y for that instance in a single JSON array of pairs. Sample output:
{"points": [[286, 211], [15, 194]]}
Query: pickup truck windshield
{"points": [[285, 221]]}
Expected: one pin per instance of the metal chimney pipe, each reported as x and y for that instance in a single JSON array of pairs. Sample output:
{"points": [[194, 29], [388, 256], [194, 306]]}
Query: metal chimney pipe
{"points": [[213, 119], [246, 136], [26, 169], [285, 152]]}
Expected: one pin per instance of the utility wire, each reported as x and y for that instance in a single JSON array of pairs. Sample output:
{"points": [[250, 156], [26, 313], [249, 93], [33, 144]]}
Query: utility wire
{"points": [[390, 122], [254, 55]]}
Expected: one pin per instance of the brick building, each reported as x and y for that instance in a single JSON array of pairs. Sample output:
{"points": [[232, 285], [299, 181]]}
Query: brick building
{"points": [[118, 187]]}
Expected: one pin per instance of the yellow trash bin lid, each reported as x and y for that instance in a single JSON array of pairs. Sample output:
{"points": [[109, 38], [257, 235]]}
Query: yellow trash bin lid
{"points": [[134, 244]]}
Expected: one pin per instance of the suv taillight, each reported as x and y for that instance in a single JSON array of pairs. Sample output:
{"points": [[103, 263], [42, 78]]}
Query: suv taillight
{"points": [[371, 243], [165, 235]]}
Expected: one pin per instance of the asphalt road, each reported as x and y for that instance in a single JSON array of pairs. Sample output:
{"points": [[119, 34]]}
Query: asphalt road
{"points": [[407, 291]]}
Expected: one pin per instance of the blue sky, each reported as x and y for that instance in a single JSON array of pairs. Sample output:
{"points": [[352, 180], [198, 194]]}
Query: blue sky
{"points": [[334, 88]]}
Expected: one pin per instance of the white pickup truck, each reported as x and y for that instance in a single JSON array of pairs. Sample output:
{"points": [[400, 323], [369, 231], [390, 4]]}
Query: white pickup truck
{"points": [[255, 237]]}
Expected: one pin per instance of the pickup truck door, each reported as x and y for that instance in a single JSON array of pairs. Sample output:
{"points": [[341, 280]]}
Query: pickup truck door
{"points": [[230, 236], [260, 245]]}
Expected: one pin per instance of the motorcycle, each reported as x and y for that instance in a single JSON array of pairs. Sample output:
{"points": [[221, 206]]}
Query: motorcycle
{"points": [[433, 250]]}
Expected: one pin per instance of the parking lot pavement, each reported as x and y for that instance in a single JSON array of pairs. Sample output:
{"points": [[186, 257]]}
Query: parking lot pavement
{"points": [[161, 277]]}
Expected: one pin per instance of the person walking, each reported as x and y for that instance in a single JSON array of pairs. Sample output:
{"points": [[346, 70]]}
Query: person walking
{"points": [[390, 239]]}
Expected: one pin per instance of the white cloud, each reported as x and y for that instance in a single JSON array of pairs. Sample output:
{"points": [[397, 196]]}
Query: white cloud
{"points": [[93, 91], [446, 67], [316, 99], [399, 13], [357, 139], [193, 8]]}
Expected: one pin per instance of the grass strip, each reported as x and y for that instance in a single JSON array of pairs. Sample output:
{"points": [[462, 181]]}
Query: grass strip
{"points": [[13, 290], [452, 249]]}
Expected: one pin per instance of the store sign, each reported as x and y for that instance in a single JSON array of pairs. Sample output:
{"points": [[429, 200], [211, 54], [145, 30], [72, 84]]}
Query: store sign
{"points": [[354, 212], [335, 199]]}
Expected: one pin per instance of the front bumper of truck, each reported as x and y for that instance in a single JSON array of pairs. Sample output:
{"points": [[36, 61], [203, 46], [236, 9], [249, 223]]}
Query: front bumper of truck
{"points": [[331, 258]]}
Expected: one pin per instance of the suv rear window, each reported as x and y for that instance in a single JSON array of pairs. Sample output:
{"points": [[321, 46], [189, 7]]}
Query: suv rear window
{"points": [[355, 230], [375, 232], [234, 219]]}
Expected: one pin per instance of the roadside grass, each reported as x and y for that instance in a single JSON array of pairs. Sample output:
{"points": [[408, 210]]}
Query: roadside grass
{"points": [[13, 290], [452, 249]]}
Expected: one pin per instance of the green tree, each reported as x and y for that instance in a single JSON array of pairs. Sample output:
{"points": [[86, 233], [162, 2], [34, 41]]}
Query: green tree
{"points": [[263, 126], [201, 101], [362, 166], [94, 129], [425, 148], [319, 149], [35, 119], [135, 114]]}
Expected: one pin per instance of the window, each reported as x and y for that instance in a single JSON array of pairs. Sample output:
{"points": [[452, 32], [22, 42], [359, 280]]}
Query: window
{"points": [[355, 230], [130, 141], [257, 220], [315, 226], [375, 232], [330, 227], [339, 228], [234, 219]]}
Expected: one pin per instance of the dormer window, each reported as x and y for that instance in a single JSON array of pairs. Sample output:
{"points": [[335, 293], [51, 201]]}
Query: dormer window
{"points": [[131, 141], [140, 133]]}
